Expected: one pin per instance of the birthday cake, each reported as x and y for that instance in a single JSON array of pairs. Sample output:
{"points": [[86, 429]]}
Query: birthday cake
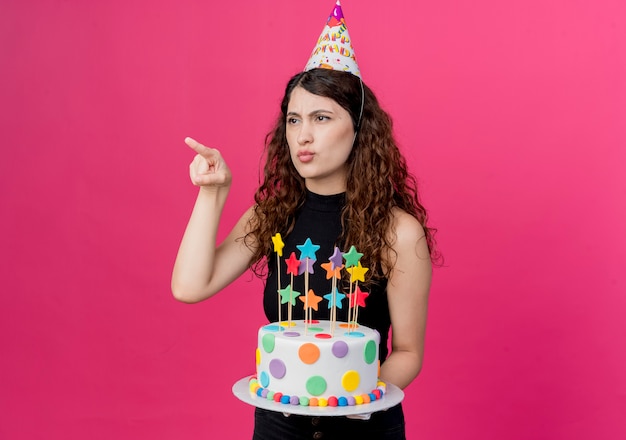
{"points": [[318, 362], [314, 364]]}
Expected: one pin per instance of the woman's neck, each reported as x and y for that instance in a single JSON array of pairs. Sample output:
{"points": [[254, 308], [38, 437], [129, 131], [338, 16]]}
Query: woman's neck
{"points": [[326, 188]]}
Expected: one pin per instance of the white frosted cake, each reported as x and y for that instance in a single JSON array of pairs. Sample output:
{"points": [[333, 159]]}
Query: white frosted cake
{"points": [[316, 365]]}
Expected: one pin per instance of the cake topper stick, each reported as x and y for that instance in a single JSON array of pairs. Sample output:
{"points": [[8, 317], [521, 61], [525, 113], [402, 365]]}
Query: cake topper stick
{"points": [[334, 299], [357, 273], [351, 295], [306, 297], [307, 309], [278, 248], [350, 304], [357, 300], [333, 311], [311, 301], [333, 273], [333, 303], [288, 295], [292, 269], [307, 254], [352, 258]]}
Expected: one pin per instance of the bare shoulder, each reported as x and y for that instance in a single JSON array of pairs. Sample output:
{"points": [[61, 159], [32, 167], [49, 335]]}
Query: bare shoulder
{"points": [[408, 241], [405, 229]]}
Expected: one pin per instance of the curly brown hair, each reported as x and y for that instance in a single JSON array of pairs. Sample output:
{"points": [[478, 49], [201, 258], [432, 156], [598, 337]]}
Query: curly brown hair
{"points": [[377, 181]]}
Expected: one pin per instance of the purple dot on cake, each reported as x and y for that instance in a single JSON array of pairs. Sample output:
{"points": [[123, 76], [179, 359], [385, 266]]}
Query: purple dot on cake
{"points": [[291, 334], [277, 368], [340, 349]]}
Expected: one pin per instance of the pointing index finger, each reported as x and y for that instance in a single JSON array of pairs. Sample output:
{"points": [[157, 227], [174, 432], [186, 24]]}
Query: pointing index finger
{"points": [[197, 147]]}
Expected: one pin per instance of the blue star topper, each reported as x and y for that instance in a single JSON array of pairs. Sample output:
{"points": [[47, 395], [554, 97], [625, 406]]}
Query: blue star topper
{"points": [[308, 249], [339, 297]]}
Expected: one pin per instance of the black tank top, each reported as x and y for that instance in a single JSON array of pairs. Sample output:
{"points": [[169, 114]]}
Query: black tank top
{"points": [[320, 220]]}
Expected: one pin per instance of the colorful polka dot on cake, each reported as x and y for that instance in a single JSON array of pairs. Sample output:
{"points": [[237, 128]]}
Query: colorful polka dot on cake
{"points": [[316, 385], [277, 368], [264, 379], [371, 352], [350, 380], [340, 349], [309, 353], [269, 342]]}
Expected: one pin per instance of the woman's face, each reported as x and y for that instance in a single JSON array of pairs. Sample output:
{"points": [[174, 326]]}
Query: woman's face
{"points": [[320, 135]]}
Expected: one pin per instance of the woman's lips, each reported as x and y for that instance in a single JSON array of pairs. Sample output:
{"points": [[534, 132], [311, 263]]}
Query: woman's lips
{"points": [[305, 156]]}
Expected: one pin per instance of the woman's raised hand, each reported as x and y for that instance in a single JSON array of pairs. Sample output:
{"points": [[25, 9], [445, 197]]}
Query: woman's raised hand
{"points": [[208, 169]]}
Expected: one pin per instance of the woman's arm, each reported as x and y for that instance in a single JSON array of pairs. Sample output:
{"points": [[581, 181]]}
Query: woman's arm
{"points": [[407, 293], [202, 268]]}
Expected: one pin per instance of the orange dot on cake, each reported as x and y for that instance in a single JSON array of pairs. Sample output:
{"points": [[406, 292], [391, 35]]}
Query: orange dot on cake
{"points": [[309, 353]]}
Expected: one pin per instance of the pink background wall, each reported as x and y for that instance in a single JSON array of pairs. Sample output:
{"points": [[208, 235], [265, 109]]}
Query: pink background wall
{"points": [[512, 114]]}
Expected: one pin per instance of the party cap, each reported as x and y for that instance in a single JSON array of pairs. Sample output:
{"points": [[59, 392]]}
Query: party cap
{"points": [[334, 46]]}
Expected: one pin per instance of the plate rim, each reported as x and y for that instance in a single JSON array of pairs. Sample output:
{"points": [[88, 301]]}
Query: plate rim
{"points": [[241, 390]]}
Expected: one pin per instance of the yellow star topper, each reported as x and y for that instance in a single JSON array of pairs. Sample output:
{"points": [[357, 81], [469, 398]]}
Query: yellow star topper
{"points": [[357, 273], [278, 244]]}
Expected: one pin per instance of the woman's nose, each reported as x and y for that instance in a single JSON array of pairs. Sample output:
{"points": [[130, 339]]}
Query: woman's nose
{"points": [[305, 135]]}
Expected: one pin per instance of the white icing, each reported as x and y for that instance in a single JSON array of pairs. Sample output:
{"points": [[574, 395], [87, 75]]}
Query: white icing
{"points": [[330, 367]]}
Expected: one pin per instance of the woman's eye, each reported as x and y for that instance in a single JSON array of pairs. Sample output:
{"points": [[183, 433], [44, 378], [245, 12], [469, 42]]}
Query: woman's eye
{"points": [[322, 118], [292, 121]]}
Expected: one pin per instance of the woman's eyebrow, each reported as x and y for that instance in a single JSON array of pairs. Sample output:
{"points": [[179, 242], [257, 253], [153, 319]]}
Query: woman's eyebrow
{"points": [[312, 113]]}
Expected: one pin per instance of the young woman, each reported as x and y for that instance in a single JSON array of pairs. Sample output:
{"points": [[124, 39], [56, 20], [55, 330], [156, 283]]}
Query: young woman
{"points": [[333, 173]]}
